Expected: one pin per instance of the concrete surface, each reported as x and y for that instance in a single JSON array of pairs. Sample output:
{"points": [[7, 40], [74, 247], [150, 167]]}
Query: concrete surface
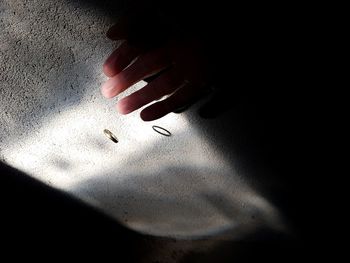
{"points": [[52, 118]]}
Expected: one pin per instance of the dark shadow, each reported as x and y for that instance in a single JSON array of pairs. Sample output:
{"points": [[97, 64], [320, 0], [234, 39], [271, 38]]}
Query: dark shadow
{"points": [[265, 131], [34, 216], [248, 251]]}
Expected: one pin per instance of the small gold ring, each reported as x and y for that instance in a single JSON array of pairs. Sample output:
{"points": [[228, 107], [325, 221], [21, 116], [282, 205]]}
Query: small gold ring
{"points": [[110, 135], [161, 130]]}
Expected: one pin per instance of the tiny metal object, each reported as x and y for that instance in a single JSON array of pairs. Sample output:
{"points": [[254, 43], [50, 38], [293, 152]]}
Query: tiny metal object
{"points": [[110, 135], [161, 130]]}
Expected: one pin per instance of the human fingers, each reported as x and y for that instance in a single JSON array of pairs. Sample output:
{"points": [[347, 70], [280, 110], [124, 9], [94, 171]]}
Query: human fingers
{"points": [[145, 65], [120, 59], [163, 85], [181, 97]]}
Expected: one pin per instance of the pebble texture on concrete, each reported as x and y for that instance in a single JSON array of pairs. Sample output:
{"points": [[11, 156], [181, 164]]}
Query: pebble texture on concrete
{"points": [[52, 118]]}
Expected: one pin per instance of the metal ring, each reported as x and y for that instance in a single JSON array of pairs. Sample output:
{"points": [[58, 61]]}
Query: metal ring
{"points": [[161, 130], [110, 135]]}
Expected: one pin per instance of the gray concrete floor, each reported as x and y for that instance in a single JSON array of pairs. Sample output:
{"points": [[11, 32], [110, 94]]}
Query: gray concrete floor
{"points": [[52, 118]]}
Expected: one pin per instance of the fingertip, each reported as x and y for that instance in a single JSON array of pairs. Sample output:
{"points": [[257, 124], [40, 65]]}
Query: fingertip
{"points": [[107, 69], [104, 93], [145, 117], [107, 90], [148, 115], [122, 107]]}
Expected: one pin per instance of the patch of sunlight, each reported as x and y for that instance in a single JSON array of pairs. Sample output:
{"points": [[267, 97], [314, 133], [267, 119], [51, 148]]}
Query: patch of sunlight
{"points": [[75, 136]]}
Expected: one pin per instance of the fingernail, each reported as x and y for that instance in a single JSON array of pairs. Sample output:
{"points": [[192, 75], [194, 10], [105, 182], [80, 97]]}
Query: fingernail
{"points": [[106, 90], [107, 85]]}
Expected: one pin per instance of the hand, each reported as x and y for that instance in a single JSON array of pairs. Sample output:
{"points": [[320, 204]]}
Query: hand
{"points": [[172, 64]]}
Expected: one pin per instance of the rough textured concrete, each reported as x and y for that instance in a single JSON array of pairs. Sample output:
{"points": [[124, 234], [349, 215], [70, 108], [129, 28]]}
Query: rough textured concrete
{"points": [[52, 118]]}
